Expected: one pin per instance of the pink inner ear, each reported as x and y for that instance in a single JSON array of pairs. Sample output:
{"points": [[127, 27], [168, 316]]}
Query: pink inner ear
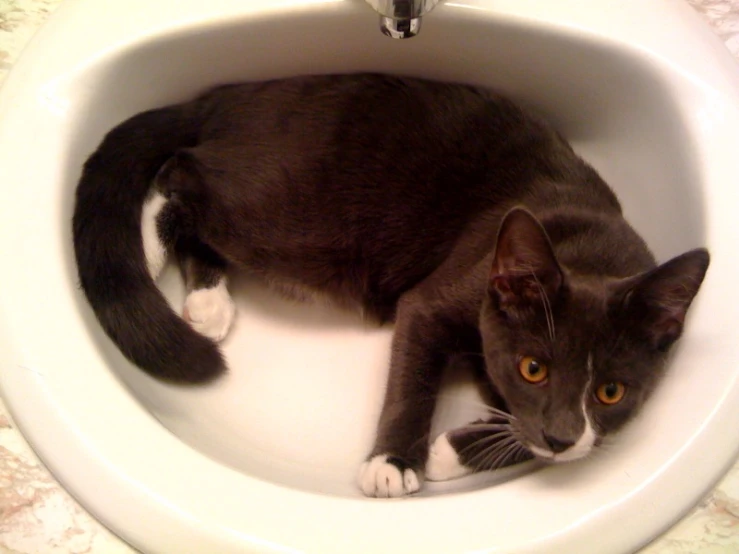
{"points": [[673, 308], [501, 285], [507, 290], [524, 268], [523, 247], [659, 300], [668, 303], [665, 331], [670, 326], [521, 290], [521, 254]]}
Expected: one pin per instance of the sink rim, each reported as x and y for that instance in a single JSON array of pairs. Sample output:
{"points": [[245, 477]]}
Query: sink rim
{"points": [[38, 388]]}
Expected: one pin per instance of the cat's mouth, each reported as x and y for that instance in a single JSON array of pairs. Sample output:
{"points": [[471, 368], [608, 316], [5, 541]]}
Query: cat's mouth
{"points": [[561, 451], [500, 440], [575, 452]]}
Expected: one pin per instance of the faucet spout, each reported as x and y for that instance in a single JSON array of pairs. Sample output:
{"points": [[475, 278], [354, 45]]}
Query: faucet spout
{"points": [[401, 18]]}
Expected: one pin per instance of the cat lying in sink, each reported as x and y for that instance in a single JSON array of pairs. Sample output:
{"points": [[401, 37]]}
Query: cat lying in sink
{"points": [[474, 229]]}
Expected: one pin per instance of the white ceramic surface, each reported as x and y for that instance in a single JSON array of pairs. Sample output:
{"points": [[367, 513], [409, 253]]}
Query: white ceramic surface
{"points": [[265, 459]]}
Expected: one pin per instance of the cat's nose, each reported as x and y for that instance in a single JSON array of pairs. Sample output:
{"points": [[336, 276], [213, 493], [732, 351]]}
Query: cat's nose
{"points": [[557, 445]]}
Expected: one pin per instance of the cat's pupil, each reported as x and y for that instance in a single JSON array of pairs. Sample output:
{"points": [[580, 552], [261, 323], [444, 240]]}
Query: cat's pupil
{"points": [[534, 367], [611, 390]]}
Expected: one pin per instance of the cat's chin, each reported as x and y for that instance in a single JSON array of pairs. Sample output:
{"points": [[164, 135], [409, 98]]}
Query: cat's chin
{"points": [[572, 454]]}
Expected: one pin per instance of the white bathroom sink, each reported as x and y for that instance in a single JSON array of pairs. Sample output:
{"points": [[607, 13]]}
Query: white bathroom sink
{"points": [[264, 460]]}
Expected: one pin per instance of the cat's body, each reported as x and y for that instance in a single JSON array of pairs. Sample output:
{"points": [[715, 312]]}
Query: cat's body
{"points": [[476, 229]]}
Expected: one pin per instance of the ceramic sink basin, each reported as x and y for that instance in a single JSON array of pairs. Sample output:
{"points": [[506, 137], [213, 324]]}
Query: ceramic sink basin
{"points": [[265, 459]]}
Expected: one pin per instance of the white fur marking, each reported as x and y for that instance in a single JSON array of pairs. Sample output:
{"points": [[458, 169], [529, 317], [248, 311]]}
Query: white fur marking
{"points": [[585, 443], [443, 463], [154, 250], [410, 481], [210, 311], [381, 479], [541, 452]]}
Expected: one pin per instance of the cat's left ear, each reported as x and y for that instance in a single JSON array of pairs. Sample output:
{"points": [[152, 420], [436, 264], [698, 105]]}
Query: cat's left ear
{"points": [[525, 274], [655, 303]]}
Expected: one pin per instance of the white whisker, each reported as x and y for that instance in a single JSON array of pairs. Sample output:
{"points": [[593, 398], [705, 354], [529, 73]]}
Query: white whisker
{"points": [[495, 437], [506, 456], [488, 427], [548, 315], [492, 462], [489, 456]]}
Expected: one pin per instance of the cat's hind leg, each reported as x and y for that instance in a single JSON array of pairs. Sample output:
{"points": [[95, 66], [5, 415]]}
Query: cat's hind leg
{"points": [[208, 308], [154, 242]]}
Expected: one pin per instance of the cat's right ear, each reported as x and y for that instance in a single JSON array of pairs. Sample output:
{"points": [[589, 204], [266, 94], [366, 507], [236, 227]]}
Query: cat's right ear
{"points": [[655, 304], [525, 274]]}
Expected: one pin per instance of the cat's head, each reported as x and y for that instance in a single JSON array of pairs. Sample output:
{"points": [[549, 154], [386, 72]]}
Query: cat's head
{"points": [[575, 356]]}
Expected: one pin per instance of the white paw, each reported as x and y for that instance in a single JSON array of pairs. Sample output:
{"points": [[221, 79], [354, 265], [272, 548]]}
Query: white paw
{"points": [[381, 479], [443, 462], [210, 311], [154, 250]]}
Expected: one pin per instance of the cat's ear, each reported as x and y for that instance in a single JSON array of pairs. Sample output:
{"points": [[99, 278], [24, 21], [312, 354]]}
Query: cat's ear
{"points": [[525, 274], [655, 303]]}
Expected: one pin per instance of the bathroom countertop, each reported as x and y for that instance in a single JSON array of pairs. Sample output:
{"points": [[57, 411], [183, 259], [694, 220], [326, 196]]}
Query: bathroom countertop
{"points": [[38, 517]]}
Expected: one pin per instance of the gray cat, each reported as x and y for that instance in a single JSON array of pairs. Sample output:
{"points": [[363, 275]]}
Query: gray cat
{"points": [[477, 229]]}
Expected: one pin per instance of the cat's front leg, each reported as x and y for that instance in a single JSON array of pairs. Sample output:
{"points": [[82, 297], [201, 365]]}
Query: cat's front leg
{"points": [[419, 355]]}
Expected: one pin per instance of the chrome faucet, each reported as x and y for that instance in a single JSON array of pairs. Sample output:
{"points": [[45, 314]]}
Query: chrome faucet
{"points": [[401, 18]]}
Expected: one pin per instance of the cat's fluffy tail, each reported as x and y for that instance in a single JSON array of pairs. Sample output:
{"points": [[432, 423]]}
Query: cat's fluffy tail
{"points": [[110, 256]]}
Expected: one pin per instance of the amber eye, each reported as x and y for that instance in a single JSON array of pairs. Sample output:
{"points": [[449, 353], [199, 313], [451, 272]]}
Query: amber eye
{"points": [[532, 370], [610, 393]]}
